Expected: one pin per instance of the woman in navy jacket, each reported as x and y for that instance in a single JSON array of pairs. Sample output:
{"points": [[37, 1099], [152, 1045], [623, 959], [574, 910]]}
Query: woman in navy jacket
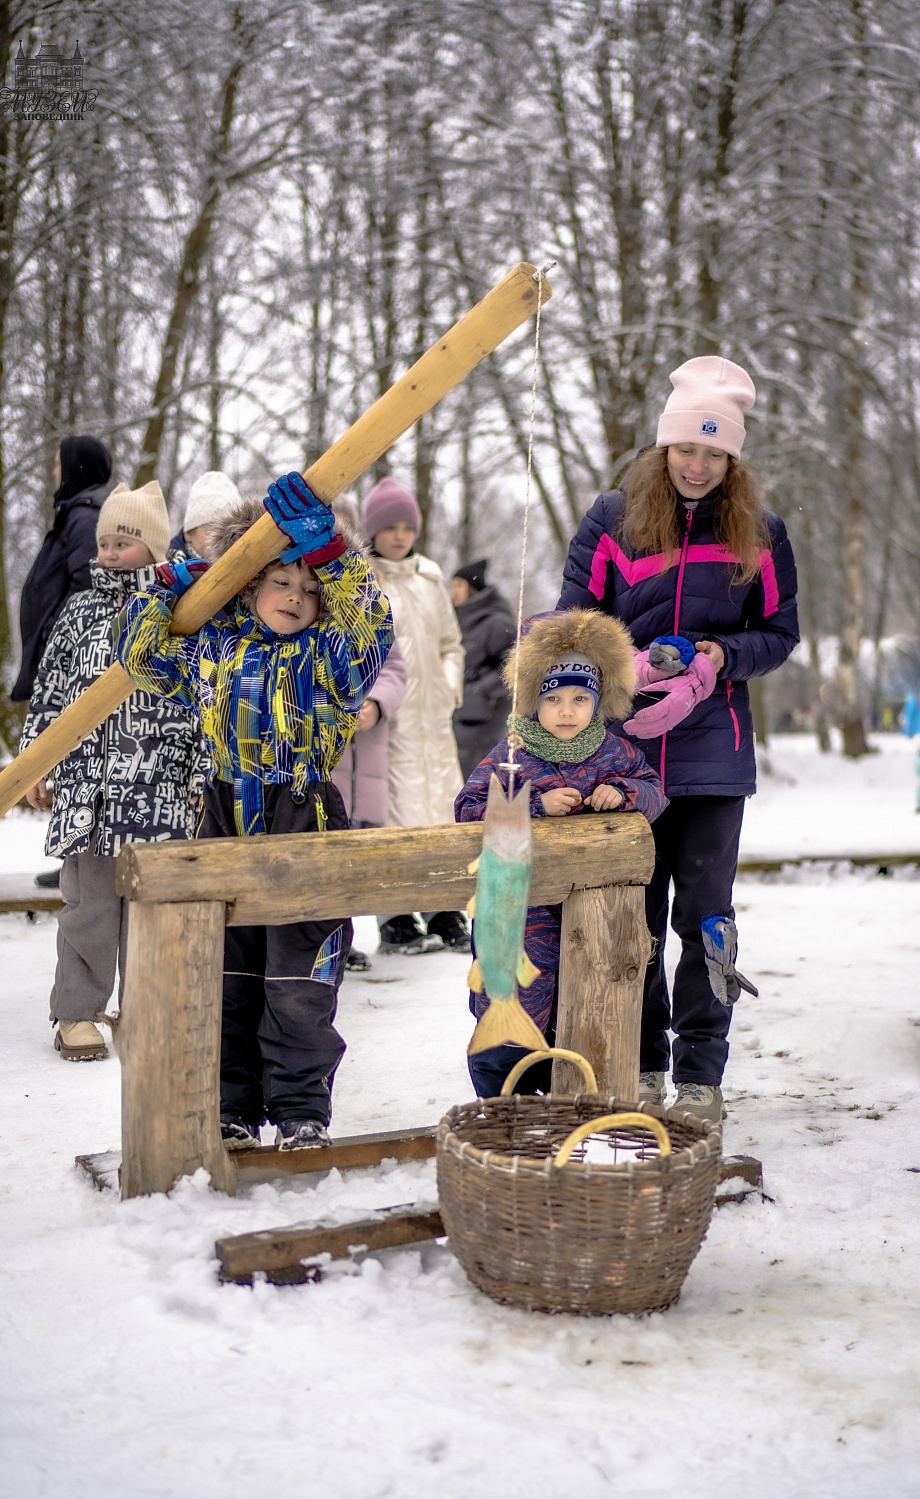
{"points": [[687, 550]]}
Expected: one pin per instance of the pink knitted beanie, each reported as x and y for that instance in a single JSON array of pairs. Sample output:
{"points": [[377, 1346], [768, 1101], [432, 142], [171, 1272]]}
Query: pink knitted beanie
{"points": [[390, 504], [707, 405]]}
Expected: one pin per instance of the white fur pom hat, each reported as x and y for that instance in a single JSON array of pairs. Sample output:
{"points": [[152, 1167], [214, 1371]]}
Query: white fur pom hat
{"points": [[138, 513], [210, 497], [707, 405]]}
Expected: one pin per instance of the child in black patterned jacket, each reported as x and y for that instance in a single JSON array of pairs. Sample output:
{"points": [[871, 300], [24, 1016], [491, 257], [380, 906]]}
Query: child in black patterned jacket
{"points": [[132, 780]]}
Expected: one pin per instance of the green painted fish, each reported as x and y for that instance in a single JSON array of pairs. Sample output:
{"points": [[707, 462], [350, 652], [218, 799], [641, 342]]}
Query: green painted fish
{"points": [[500, 909]]}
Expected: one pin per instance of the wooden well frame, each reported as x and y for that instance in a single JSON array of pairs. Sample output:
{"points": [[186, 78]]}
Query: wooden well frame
{"points": [[182, 895]]}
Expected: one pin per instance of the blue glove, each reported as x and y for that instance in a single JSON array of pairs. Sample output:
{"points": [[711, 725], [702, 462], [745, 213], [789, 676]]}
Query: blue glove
{"points": [[178, 577], [304, 519]]}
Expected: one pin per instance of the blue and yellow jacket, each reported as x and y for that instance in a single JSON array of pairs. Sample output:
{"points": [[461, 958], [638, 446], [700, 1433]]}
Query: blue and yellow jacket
{"points": [[274, 709]]}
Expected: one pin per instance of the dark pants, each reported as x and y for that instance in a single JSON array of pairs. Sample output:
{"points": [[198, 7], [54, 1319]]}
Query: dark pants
{"points": [[279, 1048], [696, 850], [488, 1069]]}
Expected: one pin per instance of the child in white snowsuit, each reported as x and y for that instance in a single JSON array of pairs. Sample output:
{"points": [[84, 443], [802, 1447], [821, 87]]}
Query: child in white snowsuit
{"points": [[575, 671], [130, 781], [277, 680]]}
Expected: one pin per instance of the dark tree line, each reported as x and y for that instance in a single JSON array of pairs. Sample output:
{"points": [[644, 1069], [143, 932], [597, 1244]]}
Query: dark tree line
{"points": [[274, 207]]}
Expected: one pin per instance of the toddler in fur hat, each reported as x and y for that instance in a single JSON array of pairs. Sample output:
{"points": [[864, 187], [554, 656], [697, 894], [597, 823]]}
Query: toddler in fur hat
{"points": [[575, 672]]}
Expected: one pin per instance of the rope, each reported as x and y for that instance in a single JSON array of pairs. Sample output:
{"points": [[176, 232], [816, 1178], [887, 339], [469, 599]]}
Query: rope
{"points": [[514, 740]]}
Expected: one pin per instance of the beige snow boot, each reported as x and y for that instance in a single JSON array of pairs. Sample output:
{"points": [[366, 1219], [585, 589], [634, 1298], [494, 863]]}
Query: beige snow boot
{"points": [[701, 1101], [80, 1041]]}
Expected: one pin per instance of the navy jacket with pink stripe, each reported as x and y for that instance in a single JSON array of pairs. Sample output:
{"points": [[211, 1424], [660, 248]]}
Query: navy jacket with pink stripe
{"points": [[712, 752]]}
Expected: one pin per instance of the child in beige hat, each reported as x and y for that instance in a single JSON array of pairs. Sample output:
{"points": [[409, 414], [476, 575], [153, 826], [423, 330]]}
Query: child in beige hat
{"points": [[130, 781]]}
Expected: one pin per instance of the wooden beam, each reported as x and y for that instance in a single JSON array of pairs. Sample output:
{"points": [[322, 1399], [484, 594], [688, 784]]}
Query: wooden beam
{"points": [[284, 1249], [446, 363], [342, 1155], [604, 950], [168, 1041], [308, 877]]}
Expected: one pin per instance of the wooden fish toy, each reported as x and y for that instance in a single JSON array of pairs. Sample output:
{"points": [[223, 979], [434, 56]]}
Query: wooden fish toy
{"points": [[500, 910]]}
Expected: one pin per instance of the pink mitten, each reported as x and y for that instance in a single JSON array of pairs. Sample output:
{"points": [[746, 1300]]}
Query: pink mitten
{"points": [[679, 696]]}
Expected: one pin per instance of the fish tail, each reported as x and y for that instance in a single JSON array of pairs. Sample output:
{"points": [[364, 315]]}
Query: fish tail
{"points": [[526, 971], [505, 1023]]}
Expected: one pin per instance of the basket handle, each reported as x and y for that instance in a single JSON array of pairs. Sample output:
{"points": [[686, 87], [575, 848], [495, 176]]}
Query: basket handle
{"points": [[519, 1068], [592, 1126]]}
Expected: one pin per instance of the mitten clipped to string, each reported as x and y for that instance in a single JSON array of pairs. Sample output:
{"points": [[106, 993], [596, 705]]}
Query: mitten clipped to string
{"points": [[682, 675], [720, 944]]}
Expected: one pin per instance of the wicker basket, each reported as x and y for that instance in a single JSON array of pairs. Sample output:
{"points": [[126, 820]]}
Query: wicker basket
{"points": [[536, 1225]]}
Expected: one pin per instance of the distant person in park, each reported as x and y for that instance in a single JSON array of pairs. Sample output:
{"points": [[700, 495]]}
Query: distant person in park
{"points": [[487, 629], [82, 470], [576, 672], [361, 775], [688, 558], [911, 727], [424, 772], [130, 781], [209, 500], [277, 680]]}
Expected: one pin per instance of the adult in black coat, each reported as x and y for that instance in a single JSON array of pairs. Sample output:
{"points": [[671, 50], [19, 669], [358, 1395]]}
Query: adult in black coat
{"points": [[487, 627], [62, 566]]}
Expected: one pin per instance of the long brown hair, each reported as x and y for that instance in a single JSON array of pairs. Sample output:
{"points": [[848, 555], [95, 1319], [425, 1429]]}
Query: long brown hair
{"points": [[650, 517]]}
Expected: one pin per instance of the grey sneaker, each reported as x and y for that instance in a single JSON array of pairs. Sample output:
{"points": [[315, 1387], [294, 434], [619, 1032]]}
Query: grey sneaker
{"points": [[700, 1100], [301, 1134], [239, 1134], [651, 1087]]}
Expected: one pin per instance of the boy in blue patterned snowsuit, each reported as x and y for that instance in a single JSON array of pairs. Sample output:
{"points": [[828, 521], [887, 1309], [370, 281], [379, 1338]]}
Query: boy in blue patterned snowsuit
{"points": [[575, 671], [277, 679]]}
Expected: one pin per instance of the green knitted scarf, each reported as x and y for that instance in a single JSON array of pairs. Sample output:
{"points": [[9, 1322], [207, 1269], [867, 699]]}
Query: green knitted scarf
{"points": [[546, 746]]}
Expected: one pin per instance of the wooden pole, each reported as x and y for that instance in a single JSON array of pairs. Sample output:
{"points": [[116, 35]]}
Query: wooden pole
{"points": [[605, 948], [168, 1041], [446, 363]]}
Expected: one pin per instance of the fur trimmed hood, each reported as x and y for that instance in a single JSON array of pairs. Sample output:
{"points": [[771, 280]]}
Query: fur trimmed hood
{"points": [[242, 517], [575, 632]]}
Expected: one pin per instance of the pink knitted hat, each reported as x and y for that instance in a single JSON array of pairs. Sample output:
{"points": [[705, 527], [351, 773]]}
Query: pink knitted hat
{"points": [[707, 405], [390, 504]]}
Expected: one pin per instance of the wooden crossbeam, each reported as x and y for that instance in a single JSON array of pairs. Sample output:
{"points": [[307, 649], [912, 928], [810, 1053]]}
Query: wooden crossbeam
{"points": [[303, 877]]}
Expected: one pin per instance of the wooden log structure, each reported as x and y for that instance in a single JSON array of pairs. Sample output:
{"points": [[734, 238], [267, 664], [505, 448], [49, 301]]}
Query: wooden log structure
{"points": [[444, 365], [280, 1253], [183, 894]]}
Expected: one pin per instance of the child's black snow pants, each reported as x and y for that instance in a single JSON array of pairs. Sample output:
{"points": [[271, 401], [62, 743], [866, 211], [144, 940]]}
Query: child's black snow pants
{"points": [[279, 1047], [696, 848]]}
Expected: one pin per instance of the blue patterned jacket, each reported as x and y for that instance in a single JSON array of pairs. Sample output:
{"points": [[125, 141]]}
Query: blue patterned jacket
{"points": [[275, 709]]}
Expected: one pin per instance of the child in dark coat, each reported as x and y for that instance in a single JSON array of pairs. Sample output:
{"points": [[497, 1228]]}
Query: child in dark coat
{"points": [[277, 680], [575, 671]]}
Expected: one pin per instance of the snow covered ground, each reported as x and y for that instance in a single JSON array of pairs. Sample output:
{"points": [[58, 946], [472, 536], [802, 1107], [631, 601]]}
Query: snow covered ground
{"points": [[789, 1367]]}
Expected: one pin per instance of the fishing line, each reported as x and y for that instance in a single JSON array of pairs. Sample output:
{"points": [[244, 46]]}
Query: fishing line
{"points": [[514, 739]]}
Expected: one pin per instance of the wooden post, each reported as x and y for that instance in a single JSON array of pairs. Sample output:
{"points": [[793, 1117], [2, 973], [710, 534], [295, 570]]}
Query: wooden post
{"points": [[168, 1041], [444, 365], [605, 947]]}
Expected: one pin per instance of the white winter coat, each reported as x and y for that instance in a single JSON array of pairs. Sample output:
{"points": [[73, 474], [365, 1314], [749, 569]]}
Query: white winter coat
{"points": [[424, 772]]}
